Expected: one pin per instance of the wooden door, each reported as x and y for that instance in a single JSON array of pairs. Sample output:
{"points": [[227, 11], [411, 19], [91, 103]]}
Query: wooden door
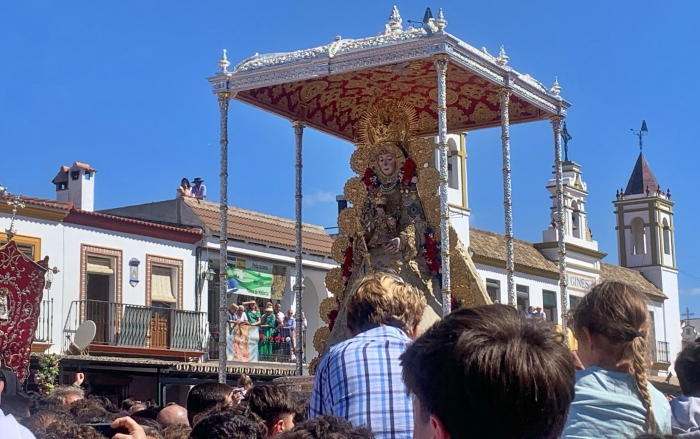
{"points": [[98, 306]]}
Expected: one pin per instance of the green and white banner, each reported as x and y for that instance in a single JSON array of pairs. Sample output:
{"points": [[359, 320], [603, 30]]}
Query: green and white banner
{"points": [[249, 278]]}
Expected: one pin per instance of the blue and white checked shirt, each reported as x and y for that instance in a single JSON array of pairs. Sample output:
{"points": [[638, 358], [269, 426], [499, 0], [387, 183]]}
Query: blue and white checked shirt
{"points": [[360, 380]]}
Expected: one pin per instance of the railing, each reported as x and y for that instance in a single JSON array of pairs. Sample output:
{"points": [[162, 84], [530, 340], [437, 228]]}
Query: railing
{"points": [[120, 324], [273, 348], [44, 327], [660, 354]]}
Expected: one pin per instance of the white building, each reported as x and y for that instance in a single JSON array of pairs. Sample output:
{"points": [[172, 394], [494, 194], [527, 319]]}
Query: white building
{"points": [[645, 242]]}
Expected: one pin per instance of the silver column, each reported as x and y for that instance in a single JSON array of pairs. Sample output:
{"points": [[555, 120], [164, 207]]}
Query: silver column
{"points": [[298, 284], [504, 96], [223, 238], [441, 67], [556, 126]]}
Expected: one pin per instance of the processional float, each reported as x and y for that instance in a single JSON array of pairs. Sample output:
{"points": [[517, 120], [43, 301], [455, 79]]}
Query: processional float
{"points": [[387, 94]]}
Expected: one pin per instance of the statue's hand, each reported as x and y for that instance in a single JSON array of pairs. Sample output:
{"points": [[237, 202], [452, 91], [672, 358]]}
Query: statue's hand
{"points": [[393, 247]]}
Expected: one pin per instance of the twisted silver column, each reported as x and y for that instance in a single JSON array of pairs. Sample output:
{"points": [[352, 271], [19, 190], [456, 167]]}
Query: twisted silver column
{"points": [[504, 97], [223, 236], [556, 126], [441, 67], [298, 284]]}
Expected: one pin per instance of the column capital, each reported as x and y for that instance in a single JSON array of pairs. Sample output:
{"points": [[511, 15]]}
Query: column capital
{"points": [[441, 62], [299, 123]]}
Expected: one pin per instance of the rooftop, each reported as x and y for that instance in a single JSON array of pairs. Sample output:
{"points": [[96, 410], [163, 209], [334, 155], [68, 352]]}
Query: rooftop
{"points": [[260, 227], [642, 178]]}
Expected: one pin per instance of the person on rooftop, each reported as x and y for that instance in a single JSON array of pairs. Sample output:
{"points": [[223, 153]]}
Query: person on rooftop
{"points": [[184, 190], [199, 191]]}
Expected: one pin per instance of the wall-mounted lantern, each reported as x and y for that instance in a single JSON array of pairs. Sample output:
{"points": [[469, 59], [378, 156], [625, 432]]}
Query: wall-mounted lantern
{"points": [[134, 272]]}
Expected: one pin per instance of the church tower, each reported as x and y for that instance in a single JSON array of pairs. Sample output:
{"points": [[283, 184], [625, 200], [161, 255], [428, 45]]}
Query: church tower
{"points": [[645, 242]]}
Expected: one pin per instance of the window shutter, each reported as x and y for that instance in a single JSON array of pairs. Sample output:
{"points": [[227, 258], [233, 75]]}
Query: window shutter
{"points": [[99, 265], [162, 285]]}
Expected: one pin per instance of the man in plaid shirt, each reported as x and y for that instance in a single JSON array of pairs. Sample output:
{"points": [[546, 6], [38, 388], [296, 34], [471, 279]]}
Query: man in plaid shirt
{"points": [[360, 378]]}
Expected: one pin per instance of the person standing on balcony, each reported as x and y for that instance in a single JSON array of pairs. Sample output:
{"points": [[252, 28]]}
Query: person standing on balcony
{"points": [[267, 329], [253, 312], [279, 315], [237, 315], [288, 332]]}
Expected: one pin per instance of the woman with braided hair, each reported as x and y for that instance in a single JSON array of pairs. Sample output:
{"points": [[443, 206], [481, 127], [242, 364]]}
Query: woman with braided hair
{"points": [[613, 397]]}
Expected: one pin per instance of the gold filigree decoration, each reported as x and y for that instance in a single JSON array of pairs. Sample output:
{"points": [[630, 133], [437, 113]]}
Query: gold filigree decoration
{"points": [[482, 113], [387, 121], [431, 207], [466, 284], [338, 249], [313, 365], [312, 89], [428, 182], [335, 283], [355, 191], [327, 305], [451, 96], [420, 150], [320, 338], [349, 221], [359, 160]]}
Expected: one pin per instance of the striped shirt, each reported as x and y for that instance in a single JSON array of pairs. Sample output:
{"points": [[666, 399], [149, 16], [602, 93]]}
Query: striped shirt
{"points": [[360, 380]]}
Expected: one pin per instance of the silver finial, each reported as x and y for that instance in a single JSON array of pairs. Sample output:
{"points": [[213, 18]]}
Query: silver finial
{"points": [[394, 23], [15, 202], [556, 89], [224, 63], [338, 38], [441, 23], [502, 59]]}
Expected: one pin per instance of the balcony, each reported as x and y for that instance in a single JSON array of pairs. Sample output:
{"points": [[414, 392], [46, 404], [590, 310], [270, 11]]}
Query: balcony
{"points": [[660, 356], [43, 337], [133, 330], [271, 348]]}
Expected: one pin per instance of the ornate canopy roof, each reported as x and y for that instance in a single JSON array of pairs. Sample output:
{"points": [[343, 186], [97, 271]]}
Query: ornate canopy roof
{"points": [[329, 87]]}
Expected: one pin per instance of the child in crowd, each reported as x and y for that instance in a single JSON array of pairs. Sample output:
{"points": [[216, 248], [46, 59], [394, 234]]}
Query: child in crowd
{"points": [[613, 398], [489, 372], [685, 420]]}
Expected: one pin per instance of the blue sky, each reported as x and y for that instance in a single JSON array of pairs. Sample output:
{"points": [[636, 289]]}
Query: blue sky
{"points": [[120, 85]]}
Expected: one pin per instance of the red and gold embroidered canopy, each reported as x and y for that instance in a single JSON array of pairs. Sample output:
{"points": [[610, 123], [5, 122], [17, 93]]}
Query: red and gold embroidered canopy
{"points": [[331, 86]]}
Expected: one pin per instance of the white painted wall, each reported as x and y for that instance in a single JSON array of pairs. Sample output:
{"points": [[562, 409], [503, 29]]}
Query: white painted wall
{"points": [[62, 242]]}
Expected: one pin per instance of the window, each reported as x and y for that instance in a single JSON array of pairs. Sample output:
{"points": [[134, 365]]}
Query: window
{"points": [[162, 285], [87, 175], [523, 294], [62, 186], [493, 288], [639, 239], [453, 164], [576, 220], [667, 238], [549, 305], [28, 245], [574, 302], [74, 175]]}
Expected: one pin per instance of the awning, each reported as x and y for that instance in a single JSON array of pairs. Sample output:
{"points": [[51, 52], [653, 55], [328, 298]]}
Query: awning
{"points": [[97, 265]]}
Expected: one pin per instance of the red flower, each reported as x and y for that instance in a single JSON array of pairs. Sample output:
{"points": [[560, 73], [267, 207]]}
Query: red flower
{"points": [[409, 171], [368, 178], [347, 263], [331, 317], [262, 337]]}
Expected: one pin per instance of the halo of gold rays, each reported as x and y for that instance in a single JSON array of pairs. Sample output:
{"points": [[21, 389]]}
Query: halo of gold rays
{"points": [[349, 221], [355, 191], [338, 249], [335, 283], [387, 121], [327, 305], [320, 338]]}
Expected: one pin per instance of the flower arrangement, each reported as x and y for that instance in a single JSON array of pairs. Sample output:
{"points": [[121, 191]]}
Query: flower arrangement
{"points": [[347, 263], [408, 172], [48, 373], [369, 179], [431, 253]]}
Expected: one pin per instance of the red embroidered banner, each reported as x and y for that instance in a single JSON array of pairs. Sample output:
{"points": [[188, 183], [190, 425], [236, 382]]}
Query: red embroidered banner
{"points": [[21, 291]]}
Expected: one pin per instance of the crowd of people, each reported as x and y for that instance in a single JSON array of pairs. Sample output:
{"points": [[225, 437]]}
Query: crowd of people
{"points": [[482, 372]]}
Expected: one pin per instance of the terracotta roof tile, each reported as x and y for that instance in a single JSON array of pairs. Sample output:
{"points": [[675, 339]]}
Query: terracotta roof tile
{"points": [[492, 246], [255, 226], [631, 277], [42, 202], [642, 178], [192, 230], [85, 166]]}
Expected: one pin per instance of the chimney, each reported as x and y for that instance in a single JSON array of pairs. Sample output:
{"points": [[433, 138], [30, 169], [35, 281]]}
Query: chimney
{"points": [[76, 184]]}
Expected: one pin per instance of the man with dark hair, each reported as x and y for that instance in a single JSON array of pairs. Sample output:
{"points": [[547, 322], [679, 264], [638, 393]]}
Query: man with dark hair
{"points": [[206, 397], [685, 421], [11, 391], [227, 425], [274, 405], [360, 379], [327, 427], [489, 372]]}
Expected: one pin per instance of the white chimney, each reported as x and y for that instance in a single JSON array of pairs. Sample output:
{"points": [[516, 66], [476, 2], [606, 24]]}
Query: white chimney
{"points": [[76, 184]]}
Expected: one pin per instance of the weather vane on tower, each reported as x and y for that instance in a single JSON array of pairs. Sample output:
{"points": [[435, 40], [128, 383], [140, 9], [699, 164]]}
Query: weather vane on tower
{"points": [[640, 133]]}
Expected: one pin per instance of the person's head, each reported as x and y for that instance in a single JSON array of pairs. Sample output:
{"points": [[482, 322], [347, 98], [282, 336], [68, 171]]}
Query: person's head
{"points": [[290, 313], [205, 397], [128, 403], [268, 310], [172, 414], [185, 183], [198, 182], [233, 308], [40, 422], [245, 382], [253, 306], [177, 431], [278, 307], [243, 409], [530, 308], [688, 369], [538, 309], [274, 405], [85, 410], [61, 429], [327, 427], [489, 372], [226, 424], [611, 324], [387, 163], [138, 407], [105, 402], [13, 399], [67, 395], [240, 310], [384, 299]]}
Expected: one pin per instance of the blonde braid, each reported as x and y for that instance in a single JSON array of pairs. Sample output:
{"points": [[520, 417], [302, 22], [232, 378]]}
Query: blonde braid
{"points": [[640, 363]]}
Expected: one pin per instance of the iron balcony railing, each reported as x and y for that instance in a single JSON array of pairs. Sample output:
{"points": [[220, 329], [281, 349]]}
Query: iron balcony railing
{"points": [[273, 348], [121, 324], [44, 327], [660, 353]]}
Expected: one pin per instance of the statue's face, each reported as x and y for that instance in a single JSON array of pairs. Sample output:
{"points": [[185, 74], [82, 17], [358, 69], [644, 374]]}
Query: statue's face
{"points": [[387, 164]]}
